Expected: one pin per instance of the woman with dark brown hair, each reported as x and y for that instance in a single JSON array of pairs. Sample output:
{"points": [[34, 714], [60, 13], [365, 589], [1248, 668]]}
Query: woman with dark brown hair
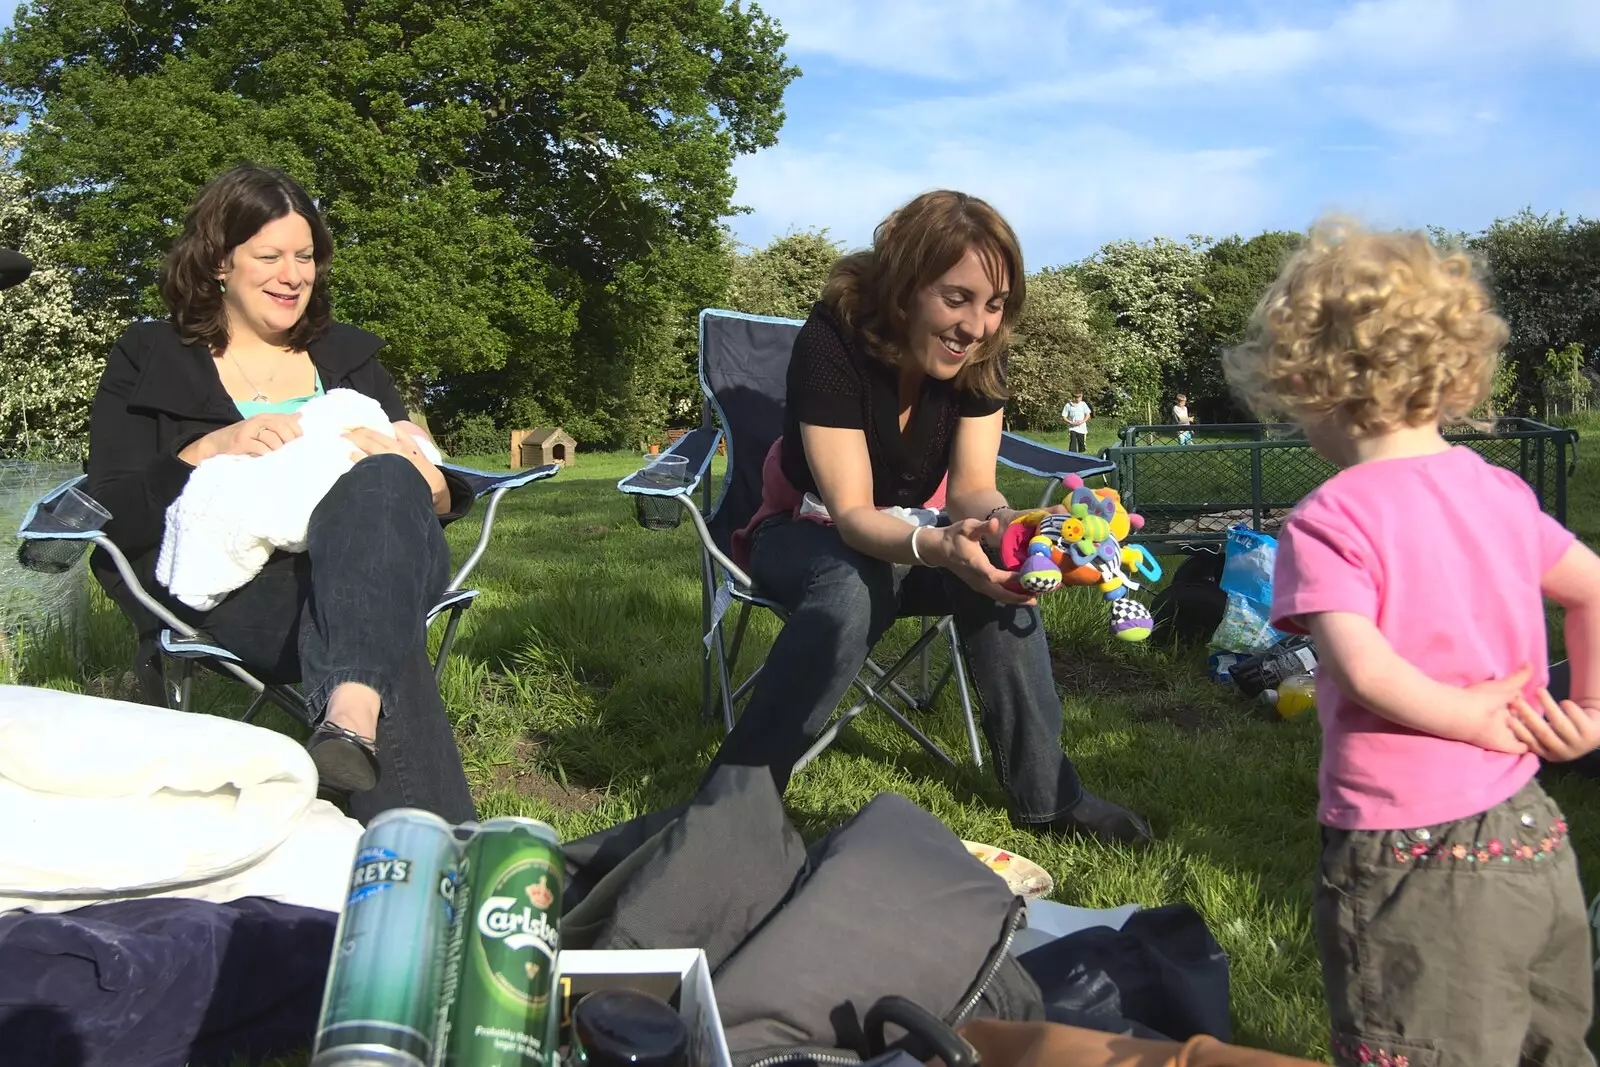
{"points": [[896, 391], [250, 340]]}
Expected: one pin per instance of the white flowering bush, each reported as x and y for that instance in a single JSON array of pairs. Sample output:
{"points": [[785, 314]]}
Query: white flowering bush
{"points": [[52, 349], [1148, 290], [1054, 353]]}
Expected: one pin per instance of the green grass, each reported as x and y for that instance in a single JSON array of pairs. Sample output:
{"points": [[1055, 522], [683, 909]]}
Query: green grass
{"points": [[575, 691]]}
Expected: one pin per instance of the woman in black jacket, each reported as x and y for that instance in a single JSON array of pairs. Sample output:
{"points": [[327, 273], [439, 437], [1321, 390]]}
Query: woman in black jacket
{"points": [[249, 341]]}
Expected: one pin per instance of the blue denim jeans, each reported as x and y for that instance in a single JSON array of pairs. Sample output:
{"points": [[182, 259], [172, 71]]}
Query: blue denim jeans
{"points": [[840, 602], [351, 609]]}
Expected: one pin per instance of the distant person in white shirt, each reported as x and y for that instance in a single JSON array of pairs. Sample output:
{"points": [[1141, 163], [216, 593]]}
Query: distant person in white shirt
{"points": [[1180, 416], [1077, 414]]}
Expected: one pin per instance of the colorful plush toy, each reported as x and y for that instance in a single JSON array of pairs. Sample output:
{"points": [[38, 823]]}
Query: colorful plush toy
{"points": [[1084, 547]]}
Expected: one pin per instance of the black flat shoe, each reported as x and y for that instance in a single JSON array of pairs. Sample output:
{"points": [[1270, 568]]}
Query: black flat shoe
{"points": [[1095, 817], [346, 762]]}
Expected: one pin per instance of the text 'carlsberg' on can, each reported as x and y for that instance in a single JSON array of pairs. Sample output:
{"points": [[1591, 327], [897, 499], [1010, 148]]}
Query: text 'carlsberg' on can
{"points": [[381, 1007], [502, 968]]}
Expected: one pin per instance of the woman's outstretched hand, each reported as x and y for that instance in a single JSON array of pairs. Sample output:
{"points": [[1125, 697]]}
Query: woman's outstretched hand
{"points": [[958, 548], [372, 443], [255, 436]]}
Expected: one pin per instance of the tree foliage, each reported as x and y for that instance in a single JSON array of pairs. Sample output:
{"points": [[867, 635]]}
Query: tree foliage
{"points": [[1545, 272], [786, 277], [52, 344], [1054, 352], [526, 194], [1234, 274], [1146, 293]]}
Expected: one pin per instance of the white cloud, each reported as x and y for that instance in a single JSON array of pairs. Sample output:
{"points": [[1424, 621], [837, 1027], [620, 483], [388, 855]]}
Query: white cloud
{"points": [[1088, 119], [1063, 197]]}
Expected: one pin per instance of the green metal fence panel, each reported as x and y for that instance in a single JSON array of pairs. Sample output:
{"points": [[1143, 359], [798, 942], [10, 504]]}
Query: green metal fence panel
{"points": [[1253, 473]]}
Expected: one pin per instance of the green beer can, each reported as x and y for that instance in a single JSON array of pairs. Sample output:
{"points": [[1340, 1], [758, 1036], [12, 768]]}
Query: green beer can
{"points": [[381, 1004], [502, 970]]}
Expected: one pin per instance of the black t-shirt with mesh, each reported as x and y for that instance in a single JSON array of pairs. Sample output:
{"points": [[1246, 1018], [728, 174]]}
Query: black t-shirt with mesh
{"points": [[833, 381]]}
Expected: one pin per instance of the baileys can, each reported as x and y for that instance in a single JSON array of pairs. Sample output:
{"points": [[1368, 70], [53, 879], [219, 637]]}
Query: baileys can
{"points": [[502, 963], [381, 1006]]}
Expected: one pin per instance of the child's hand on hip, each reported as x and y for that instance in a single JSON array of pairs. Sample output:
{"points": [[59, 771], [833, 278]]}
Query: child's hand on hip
{"points": [[1557, 732], [1490, 708]]}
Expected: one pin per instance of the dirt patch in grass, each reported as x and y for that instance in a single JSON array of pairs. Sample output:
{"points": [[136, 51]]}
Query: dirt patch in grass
{"points": [[1153, 690], [1183, 710], [589, 533], [1092, 672], [521, 778]]}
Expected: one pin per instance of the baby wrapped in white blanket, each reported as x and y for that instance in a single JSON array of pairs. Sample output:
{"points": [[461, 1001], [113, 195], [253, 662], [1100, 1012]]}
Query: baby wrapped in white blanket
{"points": [[236, 511]]}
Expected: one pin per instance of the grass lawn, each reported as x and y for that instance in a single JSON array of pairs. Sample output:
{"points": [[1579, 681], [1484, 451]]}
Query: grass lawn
{"points": [[575, 691]]}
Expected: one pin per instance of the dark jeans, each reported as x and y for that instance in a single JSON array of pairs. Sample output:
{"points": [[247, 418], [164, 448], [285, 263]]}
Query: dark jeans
{"points": [[351, 609], [1459, 945], [1077, 441], [840, 602]]}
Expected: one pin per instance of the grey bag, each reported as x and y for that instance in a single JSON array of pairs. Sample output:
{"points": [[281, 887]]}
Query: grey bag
{"points": [[803, 943]]}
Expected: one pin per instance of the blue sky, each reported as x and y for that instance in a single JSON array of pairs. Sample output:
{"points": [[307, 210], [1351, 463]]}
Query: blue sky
{"points": [[1085, 121], [1089, 120]]}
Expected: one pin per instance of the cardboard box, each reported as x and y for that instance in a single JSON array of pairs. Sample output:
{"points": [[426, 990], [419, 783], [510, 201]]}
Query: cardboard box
{"points": [[680, 977]]}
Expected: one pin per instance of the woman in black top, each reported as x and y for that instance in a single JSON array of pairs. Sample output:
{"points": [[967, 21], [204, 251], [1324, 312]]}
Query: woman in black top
{"points": [[246, 285], [896, 385]]}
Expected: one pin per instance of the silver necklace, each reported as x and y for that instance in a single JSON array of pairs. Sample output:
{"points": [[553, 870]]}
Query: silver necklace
{"points": [[259, 397]]}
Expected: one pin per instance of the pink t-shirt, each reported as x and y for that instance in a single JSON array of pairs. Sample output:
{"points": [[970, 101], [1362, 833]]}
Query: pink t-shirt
{"points": [[1445, 554]]}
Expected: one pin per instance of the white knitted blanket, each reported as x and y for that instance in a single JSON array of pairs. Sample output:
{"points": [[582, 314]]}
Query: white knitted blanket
{"points": [[105, 800], [236, 511]]}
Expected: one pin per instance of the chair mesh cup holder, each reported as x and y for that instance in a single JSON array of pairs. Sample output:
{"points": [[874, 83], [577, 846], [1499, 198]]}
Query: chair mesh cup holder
{"points": [[658, 512], [50, 557]]}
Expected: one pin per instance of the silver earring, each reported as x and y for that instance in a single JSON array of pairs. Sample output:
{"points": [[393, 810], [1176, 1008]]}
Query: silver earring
{"points": [[222, 285]]}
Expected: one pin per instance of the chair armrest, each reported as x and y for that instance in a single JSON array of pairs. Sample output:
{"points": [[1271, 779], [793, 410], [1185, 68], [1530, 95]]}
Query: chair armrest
{"points": [[1042, 461], [696, 447], [494, 485], [482, 483]]}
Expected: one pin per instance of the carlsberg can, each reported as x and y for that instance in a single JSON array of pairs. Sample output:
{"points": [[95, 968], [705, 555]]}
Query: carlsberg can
{"points": [[503, 957], [381, 1005]]}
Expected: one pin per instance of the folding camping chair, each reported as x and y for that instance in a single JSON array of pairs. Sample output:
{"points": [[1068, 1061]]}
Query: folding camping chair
{"points": [[743, 369], [51, 545]]}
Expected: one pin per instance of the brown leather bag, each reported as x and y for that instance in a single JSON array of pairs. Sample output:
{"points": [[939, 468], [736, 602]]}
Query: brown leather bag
{"points": [[1002, 1044]]}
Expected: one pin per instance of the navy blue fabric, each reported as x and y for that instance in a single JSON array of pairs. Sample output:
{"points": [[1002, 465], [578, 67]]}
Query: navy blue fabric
{"points": [[161, 983], [1161, 975]]}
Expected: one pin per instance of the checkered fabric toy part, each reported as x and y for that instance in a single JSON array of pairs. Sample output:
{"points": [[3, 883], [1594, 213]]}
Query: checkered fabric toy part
{"points": [[1084, 547]]}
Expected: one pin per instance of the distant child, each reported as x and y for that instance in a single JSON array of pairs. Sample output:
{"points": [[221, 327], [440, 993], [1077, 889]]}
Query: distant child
{"points": [[1449, 916], [1077, 413], [1180, 416]]}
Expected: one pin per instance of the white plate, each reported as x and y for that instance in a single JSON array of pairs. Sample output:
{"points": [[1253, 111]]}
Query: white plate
{"points": [[1026, 878]]}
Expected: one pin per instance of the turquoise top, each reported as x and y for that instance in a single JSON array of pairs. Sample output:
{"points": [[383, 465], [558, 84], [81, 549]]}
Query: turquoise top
{"points": [[248, 408]]}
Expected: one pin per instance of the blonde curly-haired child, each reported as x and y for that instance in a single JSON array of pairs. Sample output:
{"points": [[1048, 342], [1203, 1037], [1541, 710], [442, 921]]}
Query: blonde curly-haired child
{"points": [[1449, 916]]}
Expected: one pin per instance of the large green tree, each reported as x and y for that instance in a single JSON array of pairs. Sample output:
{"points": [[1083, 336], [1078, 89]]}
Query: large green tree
{"points": [[1234, 274], [526, 194], [1545, 271]]}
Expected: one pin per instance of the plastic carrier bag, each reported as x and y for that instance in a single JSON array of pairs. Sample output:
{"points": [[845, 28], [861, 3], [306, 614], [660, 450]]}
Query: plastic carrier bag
{"points": [[1247, 579]]}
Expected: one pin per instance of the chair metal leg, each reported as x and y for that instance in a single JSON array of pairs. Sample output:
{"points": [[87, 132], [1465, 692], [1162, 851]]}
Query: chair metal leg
{"points": [[958, 665], [872, 696], [185, 684], [724, 685], [447, 640], [255, 706], [923, 699], [738, 637], [707, 584]]}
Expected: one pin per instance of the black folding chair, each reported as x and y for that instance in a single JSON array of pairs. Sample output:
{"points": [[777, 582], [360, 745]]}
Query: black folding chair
{"points": [[50, 545], [743, 367]]}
